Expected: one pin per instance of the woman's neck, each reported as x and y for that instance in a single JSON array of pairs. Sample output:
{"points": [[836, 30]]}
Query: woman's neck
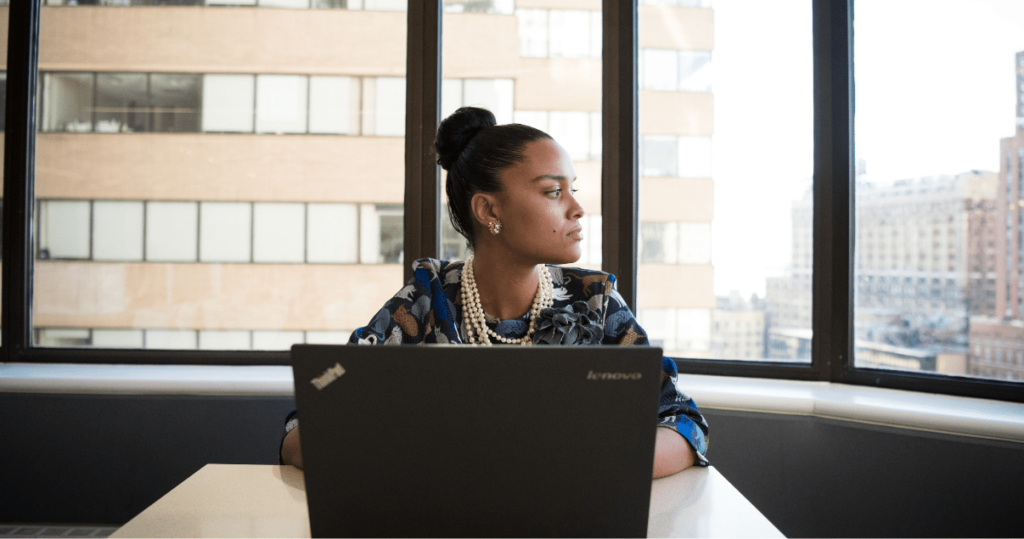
{"points": [[507, 287]]}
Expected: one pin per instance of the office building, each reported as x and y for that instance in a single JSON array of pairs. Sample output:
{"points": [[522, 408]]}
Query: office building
{"points": [[224, 185], [738, 328], [788, 298], [997, 340]]}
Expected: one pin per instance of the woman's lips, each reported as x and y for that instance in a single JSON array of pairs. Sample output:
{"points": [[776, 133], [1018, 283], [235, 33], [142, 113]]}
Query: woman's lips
{"points": [[577, 234]]}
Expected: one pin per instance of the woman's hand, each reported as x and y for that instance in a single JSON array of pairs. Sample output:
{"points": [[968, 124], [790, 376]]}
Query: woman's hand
{"points": [[291, 452], [672, 454]]}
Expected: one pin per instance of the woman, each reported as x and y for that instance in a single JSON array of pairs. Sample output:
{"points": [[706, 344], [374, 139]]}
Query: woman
{"points": [[510, 194]]}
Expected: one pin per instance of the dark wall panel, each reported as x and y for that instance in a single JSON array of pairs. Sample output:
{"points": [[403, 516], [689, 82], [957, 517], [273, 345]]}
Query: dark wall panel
{"points": [[103, 458], [821, 477]]}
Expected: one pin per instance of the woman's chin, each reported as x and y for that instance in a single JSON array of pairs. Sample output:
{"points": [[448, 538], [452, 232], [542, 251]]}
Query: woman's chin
{"points": [[571, 257]]}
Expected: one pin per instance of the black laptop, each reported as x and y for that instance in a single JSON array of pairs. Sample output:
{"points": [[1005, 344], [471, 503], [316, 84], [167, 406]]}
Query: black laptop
{"points": [[463, 441]]}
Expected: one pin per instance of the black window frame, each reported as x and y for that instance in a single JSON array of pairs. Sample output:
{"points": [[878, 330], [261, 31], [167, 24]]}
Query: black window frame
{"points": [[832, 281]]}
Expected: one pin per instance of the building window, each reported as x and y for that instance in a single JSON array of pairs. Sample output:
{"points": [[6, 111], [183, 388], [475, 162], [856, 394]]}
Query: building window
{"points": [[333, 105], [172, 231], [559, 33], [380, 234], [67, 102], [494, 7], [578, 132], [117, 230], [228, 103], [279, 231], [225, 232], [675, 70], [332, 233], [281, 105], [495, 95], [232, 103], [388, 113], [64, 227]]}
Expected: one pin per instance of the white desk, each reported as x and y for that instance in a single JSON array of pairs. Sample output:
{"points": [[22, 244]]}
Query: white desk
{"points": [[233, 500]]}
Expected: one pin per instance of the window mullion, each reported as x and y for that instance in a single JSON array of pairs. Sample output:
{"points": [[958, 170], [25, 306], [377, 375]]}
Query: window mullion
{"points": [[19, 149], [422, 114], [832, 289], [619, 182]]}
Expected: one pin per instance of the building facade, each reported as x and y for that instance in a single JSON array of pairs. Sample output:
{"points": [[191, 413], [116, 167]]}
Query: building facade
{"points": [[997, 340], [237, 183]]}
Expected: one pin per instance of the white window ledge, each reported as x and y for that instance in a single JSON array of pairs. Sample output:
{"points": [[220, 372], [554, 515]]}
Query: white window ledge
{"points": [[888, 407], [147, 379], [902, 409]]}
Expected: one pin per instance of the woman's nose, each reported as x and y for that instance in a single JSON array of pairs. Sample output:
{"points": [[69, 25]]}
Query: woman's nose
{"points": [[576, 209]]}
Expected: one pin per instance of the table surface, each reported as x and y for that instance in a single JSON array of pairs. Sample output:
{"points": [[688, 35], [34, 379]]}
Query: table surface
{"points": [[239, 500]]}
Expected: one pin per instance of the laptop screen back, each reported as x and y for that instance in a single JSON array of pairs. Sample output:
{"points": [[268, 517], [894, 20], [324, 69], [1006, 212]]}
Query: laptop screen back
{"points": [[462, 441]]}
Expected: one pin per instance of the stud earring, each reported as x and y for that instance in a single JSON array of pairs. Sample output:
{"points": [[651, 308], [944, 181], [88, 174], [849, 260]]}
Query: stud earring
{"points": [[495, 227]]}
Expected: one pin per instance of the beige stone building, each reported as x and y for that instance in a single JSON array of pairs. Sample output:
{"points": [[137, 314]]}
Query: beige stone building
{"points": [[228, 174]]}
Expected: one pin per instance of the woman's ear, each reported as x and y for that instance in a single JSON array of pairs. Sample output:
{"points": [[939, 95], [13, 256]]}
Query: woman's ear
{"points": [[485, 208]]}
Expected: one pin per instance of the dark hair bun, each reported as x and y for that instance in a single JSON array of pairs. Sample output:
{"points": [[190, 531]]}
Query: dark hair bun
{"points": [[455, 132]]}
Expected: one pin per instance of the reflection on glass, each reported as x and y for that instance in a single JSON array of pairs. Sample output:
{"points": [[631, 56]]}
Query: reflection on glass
{"points": [[939, 262]]}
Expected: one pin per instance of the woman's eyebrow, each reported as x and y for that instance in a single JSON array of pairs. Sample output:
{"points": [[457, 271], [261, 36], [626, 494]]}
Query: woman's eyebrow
{"points": [[551, 177]]}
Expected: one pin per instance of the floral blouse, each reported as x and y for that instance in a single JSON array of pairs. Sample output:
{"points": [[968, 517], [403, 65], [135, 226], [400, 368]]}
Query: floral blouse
{"points": [[429, 310]]}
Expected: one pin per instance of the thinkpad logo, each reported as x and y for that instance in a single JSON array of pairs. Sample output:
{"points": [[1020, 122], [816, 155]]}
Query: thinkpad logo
{"points": [[329, 375], [613, 375]]}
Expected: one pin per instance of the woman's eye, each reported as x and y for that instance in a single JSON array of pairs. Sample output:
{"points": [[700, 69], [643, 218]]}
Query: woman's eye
{"points": [[557, 193]]}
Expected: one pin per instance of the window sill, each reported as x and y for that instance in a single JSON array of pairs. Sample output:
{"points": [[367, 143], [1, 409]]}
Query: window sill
{"points": [[147, 379], [893, 408], [928, 412]]}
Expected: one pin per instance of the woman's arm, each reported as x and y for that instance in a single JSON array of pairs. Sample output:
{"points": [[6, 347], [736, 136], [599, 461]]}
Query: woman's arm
{"points": [[672, 453], [291, 451]]}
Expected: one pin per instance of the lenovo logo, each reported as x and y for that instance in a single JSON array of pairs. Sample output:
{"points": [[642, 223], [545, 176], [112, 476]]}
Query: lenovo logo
{"points": [[330, 375], [613, 375]]}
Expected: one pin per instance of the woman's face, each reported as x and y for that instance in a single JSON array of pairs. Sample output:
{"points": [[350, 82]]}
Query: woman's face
{"points": [[539, 213]]}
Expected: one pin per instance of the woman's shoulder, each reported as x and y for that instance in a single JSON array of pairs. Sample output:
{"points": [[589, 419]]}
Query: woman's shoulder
{"points": [[434, 267], [572, 284], [581, 277]]}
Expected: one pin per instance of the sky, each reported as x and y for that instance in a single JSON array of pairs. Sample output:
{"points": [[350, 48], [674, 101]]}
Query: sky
{"points": [[935, 91]]}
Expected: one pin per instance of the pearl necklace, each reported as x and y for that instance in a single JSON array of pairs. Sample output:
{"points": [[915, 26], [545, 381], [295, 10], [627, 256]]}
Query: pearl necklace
{"points": [[474, 322]]}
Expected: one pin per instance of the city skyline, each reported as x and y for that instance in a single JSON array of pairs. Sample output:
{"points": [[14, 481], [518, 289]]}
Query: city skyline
{"points": [[904, 128]]}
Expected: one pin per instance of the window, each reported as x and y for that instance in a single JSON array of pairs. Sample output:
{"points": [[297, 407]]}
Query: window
{"points": [[228, 102], [960, 182], [208, 170], [703, 159], [118, 166], [117, 230], [64, 229], [578, 132], [67, 102], [281, 103], [332, 236], [675, 70], [495, 95], [389, 113], [269, 103], [225, 232], [279, 232], [559, 33], [175, 100], [561, 98], [497, 7], [172, 231], [333, 105]]}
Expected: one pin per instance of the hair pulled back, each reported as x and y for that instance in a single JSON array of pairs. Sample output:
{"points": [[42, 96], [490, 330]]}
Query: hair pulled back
{"points": [[474, 149]]}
